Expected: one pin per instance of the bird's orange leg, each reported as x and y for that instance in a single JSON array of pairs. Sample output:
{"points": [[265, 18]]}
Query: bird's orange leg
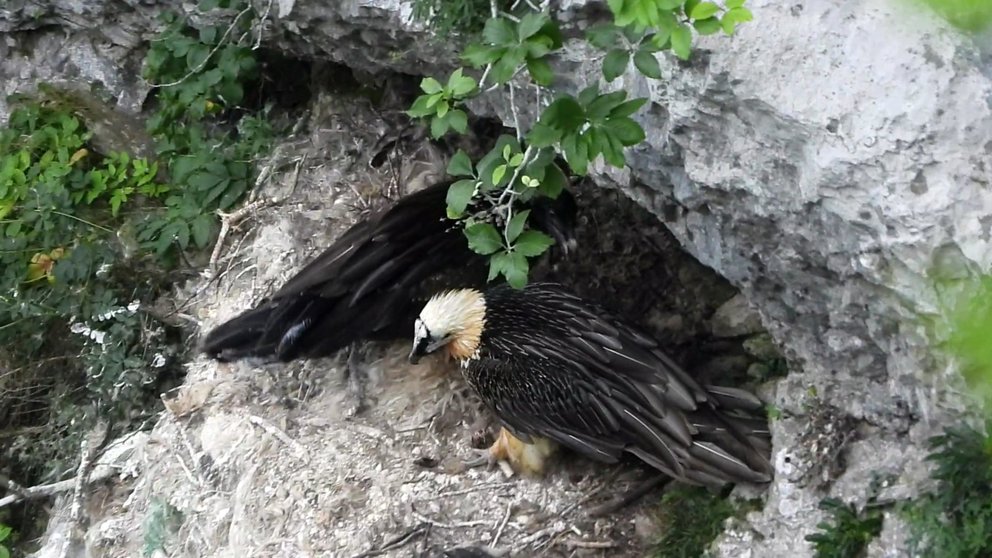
{"points": [[527, 459]]}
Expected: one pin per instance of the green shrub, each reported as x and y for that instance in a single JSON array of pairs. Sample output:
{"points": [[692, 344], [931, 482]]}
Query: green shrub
{"points": [[519, 41], [89, 240], [848, 532], [955, 521], [690, 517]]}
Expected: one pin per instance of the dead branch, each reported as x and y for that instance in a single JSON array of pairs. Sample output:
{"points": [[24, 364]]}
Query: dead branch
{"points": [[227, 220], [502, 525], [98, 474], [281, 436]]}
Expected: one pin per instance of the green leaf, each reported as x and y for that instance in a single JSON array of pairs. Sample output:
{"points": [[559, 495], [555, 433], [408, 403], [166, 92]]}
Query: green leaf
{"points": [[483, 238], [479, 55], [602, 105], [707, 26], [504, 68], [515, 160], [731, 4], [516, 270], [516, 225], [203, 181], [182, 234], [553, 182], [498, 174], [430, 86], [588, 94], [439, 126], [208, 35], [499, 31], [565, 114], [647, 64], [497, 264], [232, 92], [533, 243], [4, 553], [627, 108], [615, 64], [463, 86], [442, 108], [603, 36], [197, 56], [576, 154], [626, 131], [540, 71], [459, 195], [704, 10], [537, 47], [541, 135], [460, 164], [458, 121], [202, 227], [733, 18], [681, 42], [530, 24]]}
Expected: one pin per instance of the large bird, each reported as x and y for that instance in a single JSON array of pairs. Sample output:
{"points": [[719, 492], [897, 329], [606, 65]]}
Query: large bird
{"points": [[370, 282], [553, 367]]}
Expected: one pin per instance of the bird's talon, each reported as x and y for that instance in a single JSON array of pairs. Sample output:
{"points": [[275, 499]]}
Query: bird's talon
{"points": [[483, 457]]}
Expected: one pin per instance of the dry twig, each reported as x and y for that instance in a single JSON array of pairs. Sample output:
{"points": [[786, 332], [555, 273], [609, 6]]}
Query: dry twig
{"points": [[281, 436]]}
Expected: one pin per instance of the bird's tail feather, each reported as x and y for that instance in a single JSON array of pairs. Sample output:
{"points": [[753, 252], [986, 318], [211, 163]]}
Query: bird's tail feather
{"points": [[238, 337], [275, 330]]}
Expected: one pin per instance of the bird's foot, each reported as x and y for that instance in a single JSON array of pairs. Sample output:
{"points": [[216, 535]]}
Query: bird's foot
{"points": [[357, 379], [514, 455], [483, 457]]}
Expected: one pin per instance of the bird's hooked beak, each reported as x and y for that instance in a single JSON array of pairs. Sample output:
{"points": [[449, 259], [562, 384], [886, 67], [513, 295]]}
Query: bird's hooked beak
{"points": [[424, 343], [420, 348]]}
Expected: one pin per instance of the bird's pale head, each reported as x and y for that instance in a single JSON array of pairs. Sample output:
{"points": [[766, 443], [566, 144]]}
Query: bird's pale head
{"points": [[452, 319]]}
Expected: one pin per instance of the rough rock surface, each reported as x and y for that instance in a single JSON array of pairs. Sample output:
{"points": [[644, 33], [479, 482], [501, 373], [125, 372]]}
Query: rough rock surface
{"points": [[826, 160]]}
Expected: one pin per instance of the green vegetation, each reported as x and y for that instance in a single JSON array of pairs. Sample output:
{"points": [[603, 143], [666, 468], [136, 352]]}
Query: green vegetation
{"points": [[90, 239], [5, 533], [690, 517], [581, 128], [955, 520], [848, 532], [970, 322], [163, 520], [462, 16], [969, 15]]}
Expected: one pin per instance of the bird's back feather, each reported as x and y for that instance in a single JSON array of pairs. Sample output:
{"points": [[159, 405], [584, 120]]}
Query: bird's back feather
{"points": [[555, 366]]}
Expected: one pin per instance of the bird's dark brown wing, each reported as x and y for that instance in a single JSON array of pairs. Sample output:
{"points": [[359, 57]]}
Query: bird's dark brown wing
{"points": [[356, 287], [556, 366]]}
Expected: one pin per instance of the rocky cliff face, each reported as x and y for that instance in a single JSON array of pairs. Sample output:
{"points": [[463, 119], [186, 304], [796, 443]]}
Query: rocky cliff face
{"points": [[827, 160]]}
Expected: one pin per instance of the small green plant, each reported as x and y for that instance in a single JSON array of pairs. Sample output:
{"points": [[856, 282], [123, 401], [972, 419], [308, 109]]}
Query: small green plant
{"points": [[163, 520], [969, 15], [88, 240], [848, 532], [65, 275], [690, 517], [517, 42], [5, 533], [460, 16], [955, 521], [201, 74], [970, 324]]}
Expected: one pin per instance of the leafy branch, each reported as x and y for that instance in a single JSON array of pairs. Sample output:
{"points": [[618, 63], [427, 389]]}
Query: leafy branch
{"points": [[580, 128]]}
